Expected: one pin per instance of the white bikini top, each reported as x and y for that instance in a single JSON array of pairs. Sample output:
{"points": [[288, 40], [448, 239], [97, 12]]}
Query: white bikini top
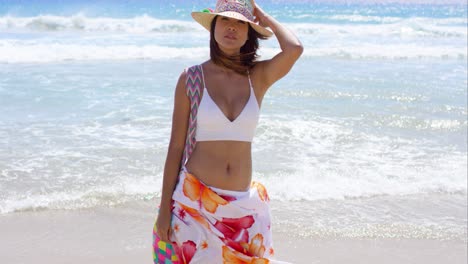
{"points": [[213, 125]]}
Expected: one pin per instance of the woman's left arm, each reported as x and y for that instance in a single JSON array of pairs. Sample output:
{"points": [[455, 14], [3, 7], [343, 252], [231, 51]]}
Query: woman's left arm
{"points": [[291, 49]]}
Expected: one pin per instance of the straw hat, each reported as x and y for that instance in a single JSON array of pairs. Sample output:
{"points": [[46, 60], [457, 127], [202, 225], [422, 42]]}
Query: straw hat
{"points": [[237, 9]]}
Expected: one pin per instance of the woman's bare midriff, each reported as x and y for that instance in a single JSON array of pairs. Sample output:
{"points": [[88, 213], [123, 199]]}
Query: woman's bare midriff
{"points": [[222, 164]]}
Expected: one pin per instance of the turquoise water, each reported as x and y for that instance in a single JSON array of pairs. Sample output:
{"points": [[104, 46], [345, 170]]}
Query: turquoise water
{"points": [[303, 11]]}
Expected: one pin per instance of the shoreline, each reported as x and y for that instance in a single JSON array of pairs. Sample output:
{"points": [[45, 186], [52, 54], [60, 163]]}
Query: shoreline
{"points": [[122, 234]]}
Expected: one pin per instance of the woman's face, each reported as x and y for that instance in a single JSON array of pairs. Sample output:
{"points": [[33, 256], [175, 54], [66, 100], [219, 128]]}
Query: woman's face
{"points": [[230, 34]]}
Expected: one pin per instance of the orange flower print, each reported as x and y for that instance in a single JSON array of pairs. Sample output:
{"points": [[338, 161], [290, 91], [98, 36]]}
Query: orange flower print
{"points": [[234, 257], [196, 191], [256, 247], [195, 214], [204, 245], [262, 192]]}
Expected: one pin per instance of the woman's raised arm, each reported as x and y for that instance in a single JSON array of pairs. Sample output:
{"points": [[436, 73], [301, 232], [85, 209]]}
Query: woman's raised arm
{"points": [[291, 49]]}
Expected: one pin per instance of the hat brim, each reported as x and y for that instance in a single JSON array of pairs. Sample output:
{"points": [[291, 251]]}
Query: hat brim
{"points": [[205, 19]]}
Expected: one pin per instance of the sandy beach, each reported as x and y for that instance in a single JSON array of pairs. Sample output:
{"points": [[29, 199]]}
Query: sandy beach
{"points": [[122, 234]]}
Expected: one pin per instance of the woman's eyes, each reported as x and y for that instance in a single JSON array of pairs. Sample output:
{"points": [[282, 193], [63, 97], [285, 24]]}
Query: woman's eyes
{"points": [[238, 21]]}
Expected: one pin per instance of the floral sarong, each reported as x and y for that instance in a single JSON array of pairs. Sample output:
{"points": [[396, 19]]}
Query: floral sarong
{"points": [[210, 225]]}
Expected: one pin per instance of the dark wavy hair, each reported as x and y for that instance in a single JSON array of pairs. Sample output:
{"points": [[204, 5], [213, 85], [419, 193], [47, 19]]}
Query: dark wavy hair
{"points": [[238, 63]]}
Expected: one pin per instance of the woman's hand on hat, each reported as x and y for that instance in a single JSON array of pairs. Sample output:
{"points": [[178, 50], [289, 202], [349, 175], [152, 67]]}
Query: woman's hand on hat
{"points": [[261, 17]]}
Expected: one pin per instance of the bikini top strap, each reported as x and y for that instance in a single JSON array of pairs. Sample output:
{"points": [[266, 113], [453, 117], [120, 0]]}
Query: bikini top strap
{"points": [[250, 81]]}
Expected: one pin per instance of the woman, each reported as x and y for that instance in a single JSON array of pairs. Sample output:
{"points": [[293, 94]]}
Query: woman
{"points": [[210, 211]]}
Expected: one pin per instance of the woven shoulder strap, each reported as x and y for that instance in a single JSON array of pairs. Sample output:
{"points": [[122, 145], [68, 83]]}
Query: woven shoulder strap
{"points": [[193, 88]]}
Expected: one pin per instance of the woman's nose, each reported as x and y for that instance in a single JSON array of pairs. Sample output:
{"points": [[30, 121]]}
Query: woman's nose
{"points": [[232, 27]]}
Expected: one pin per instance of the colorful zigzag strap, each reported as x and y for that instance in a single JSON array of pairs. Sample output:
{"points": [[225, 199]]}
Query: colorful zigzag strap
{"points": [[193, 87]]}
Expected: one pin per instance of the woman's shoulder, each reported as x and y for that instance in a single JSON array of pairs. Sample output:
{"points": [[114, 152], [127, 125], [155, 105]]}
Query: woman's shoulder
{"points": [[190, 76], [259, 66], [257, 75], [192, 72], [195, 66]]}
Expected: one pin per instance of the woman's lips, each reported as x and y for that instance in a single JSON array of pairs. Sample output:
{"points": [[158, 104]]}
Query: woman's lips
{"points": [[230, 37]]}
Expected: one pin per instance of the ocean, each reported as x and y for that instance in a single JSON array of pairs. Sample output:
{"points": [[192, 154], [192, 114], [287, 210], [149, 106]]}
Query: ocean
{"points": [[366, 136]]}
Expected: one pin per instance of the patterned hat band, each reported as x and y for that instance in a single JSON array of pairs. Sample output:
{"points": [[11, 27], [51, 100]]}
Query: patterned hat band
{"points": [[237, 9], [234, 7]]}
